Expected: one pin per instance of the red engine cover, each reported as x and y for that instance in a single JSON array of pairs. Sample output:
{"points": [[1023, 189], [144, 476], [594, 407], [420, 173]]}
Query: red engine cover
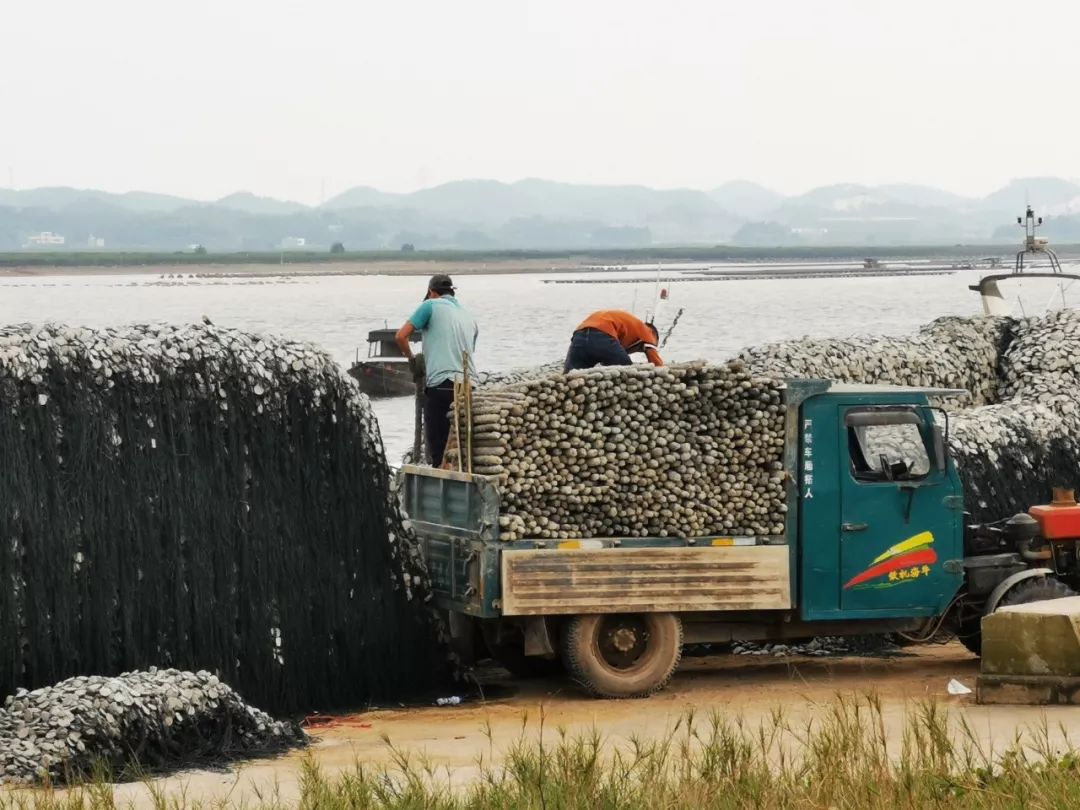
{"points": [[1058, 522]]}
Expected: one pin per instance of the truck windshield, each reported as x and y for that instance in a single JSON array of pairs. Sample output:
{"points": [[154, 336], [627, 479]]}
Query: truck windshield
{"points": [[886, 445]]}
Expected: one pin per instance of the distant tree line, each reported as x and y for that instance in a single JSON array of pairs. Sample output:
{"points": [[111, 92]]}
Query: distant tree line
{"points": [[223, 229]]}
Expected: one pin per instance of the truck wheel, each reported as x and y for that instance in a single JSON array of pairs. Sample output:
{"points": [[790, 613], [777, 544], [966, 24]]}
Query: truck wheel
{"points": [[623, 655], [1038, 589]]}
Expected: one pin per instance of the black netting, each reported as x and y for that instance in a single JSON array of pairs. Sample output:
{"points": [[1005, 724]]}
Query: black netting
{"points": [[1021, 440], [200, 498]]}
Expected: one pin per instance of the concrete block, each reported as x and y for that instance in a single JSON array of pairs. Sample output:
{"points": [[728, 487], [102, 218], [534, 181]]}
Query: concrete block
{"points": [[1039, 638], [1031, 654], [1027, 690]]}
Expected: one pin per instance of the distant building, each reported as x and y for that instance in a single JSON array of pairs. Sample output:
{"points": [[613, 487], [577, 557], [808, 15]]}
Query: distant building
{"points": [[45, 239], [293, 242], [95, 241]]}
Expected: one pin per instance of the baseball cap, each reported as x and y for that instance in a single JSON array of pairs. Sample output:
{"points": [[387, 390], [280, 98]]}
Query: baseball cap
{"points": [[441, 283]]}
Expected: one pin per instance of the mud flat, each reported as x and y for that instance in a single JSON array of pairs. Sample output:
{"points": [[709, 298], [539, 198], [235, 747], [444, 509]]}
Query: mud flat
{"points": [[421, 267], [454, 739]]}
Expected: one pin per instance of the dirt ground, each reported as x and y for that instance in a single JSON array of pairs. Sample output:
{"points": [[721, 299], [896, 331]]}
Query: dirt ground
{"points": [[454, 738]]}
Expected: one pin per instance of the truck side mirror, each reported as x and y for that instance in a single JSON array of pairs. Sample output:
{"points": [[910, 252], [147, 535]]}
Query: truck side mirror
{"points": [[941, 458]]}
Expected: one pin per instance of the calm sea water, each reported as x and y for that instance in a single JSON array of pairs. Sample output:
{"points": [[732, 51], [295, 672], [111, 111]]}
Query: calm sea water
{"points": [[523, 321]]}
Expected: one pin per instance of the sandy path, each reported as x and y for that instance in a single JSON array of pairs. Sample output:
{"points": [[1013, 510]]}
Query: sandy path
{"points": [[454, 738]]}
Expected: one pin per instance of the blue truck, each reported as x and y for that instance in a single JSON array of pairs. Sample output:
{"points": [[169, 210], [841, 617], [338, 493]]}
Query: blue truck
{"points": [[875, 541]]}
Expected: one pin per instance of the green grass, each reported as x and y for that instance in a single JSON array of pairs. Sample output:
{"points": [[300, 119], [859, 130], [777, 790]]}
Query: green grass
{"points": [[841, 759], [616, 256]]}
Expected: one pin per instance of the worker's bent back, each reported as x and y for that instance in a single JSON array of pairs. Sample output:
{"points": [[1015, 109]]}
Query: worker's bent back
{"points": [[631, 333], [449, 330]]}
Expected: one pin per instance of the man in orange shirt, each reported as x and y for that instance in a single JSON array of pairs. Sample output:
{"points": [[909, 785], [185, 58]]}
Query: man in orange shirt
{"points": [[607, 337]]}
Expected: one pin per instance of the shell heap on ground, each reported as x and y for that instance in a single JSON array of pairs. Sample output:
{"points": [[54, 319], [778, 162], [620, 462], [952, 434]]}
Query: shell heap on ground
{"points": [[146, 719], [695, 449], [201, 498]]}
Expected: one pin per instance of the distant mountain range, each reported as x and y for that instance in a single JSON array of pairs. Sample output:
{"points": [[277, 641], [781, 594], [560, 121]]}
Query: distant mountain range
{"points": [[534, 214]]}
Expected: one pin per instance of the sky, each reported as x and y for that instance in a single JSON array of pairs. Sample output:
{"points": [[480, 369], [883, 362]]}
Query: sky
{"points": [[298, 100]]}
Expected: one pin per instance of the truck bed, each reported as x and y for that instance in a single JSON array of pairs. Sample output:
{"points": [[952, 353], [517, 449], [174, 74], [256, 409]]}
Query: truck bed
{"points": [[456, 519]]}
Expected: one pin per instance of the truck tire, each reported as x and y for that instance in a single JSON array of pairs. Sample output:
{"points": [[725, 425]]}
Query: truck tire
{"points": [[510, 654], [1038, 589], [622, 655], [969, 634]]}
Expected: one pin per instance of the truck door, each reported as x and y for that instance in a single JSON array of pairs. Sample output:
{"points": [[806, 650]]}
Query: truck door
{"points": [[897, 521]]}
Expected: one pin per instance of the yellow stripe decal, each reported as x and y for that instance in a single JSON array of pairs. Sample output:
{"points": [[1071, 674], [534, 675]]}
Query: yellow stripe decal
{"points": [[912, 543]]}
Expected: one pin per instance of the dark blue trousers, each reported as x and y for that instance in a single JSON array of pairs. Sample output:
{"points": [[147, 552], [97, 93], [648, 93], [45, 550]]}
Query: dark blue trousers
{"points": [[591, 347], [438, 402]]}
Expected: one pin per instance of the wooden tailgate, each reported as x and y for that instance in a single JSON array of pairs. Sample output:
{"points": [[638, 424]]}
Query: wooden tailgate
{"points": [[613, 580]]}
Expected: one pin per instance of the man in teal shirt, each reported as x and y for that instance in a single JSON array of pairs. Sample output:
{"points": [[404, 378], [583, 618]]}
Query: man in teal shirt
{"points": [[449, 331]]}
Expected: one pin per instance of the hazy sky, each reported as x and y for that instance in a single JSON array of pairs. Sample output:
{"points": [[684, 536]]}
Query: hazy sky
{"points": [[205, 97]]}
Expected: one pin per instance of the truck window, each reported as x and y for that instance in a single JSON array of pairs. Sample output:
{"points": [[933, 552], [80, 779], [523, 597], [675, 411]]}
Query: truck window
{"points": [[886, 444]]}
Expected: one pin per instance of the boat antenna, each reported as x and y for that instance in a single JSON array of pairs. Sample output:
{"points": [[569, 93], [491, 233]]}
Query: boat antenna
{"points": [[656, 292], [650, 317], [1034, 244]]}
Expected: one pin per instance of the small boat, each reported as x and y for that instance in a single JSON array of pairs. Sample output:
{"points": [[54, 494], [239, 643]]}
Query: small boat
{"points": [[1014, 294], [385, 372]]}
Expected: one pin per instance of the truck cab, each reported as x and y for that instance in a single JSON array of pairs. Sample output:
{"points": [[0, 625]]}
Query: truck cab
{"points": [[873, 542], [881, 515]]}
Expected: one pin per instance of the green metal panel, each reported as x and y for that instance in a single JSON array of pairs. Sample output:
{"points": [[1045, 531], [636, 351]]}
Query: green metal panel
{"points": [[896, 563], [444, 503], [891, 561], [457, 569], [796, 392], [819, 511], [456, 519]]}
